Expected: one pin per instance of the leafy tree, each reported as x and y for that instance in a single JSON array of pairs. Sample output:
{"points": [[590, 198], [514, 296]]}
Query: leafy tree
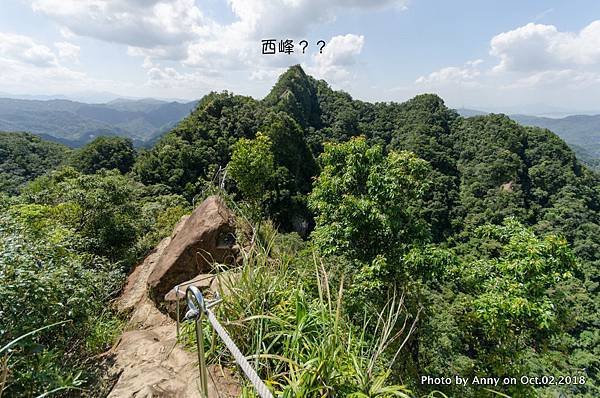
{"points": [[105, 153], [252, 166], [66, 242], [173, 162], [364, 200], [512, 278], [501, 309], [366, 207]]}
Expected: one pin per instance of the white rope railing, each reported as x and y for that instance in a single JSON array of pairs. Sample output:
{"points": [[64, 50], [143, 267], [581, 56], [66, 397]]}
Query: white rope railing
{"points": [[197, 307], [241, 360]]}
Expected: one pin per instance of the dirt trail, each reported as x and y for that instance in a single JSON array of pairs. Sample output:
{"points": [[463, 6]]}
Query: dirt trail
{"points": [[147, 360]]}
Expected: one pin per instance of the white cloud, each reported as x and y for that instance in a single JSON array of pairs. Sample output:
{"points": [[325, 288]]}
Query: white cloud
{"points": [[536, 55], [68, 52], [178, 40], [534, 62], [537, 47], [66, 32], [557, 79], [138, 23], [32, 67], [19, 75], [23, 49], [229, 50], [263, 74], [337, 56], [237, 45], [159, 76], [453, 74], [258, 18], [174, 83], [531, 64], [543, 14], [176, 52], [179, 30], [150, 24]]}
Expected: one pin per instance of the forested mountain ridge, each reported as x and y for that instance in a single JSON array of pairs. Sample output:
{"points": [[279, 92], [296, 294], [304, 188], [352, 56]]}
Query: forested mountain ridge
{"points": [[488, 230], [579, 129], [484, 160], [581, 132], [75, 124], [144, 121]]}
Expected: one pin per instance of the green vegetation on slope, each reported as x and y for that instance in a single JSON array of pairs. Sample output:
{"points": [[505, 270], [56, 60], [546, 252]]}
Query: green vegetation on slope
{"points": [[304, 340], [105, 153], [66, 244], [579, 130], [24, 157], [488, 230]]}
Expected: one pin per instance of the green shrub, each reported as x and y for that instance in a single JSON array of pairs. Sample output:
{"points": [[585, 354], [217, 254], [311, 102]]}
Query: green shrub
{"points": [[45, 278]]}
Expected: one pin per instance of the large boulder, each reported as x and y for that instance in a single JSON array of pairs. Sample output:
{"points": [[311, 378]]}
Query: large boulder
{"points": [[205, 238]]}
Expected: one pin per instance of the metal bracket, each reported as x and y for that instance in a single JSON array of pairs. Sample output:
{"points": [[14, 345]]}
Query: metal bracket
{"points": [[197, 308]]}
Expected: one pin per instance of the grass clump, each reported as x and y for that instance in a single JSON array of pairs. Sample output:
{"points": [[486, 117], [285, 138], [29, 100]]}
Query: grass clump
{"points": [[290, 321]]}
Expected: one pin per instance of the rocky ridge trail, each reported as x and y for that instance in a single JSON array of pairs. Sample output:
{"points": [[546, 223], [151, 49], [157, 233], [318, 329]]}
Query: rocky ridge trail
{"points": [[148, 362]]}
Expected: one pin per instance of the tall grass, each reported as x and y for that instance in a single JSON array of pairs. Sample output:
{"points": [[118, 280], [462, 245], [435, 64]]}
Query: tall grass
{"points": [[5, 356], [285, 315]]}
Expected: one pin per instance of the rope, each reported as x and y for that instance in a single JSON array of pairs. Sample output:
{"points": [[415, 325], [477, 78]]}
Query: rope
{"points": [[258, 384], [197, 307]]}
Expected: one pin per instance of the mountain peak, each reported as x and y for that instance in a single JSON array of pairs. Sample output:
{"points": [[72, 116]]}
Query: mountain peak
{"points": [[296, 93]]}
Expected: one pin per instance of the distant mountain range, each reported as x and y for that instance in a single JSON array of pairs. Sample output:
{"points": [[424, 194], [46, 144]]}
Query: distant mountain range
{"points": [[581, 132], [144, 120], [76, 123]]}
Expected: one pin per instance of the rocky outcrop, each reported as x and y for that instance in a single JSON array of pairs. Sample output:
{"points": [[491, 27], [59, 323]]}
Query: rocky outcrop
{"points": [[147, 362], [206, 237]]}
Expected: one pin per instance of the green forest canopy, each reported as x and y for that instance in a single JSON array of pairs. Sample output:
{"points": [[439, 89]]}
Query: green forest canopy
{"points": [[491, 229]]}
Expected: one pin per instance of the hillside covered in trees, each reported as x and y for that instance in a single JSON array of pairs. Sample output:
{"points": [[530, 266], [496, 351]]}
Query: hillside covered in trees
{"points": [[581, 132], [485, 231]]}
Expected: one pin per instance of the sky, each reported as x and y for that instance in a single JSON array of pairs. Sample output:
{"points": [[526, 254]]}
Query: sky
{"points": [[500, 55]]}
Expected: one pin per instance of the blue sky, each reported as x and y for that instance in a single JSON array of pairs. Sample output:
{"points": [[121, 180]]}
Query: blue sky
{"points": [[512, 56]]}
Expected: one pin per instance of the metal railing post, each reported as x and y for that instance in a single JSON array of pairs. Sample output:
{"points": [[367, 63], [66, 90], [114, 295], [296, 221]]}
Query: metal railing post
{"points": [[201, 358], [177, 306], [197, 308]]}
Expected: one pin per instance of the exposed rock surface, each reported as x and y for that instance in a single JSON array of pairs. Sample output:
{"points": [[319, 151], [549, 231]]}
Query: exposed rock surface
{"points": [[207, 236], [220, 284], [147, 361], [202, 282]]}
